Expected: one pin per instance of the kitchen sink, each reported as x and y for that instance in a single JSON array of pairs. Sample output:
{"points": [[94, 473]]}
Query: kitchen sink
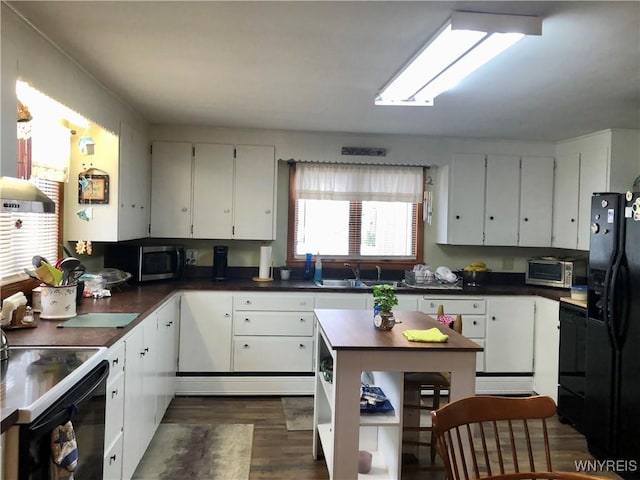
{"points": [[352, 283], [335, 283]]}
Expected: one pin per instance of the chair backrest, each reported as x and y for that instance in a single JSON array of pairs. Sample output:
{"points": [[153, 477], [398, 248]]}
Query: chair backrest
{"points": [[484, 436], [456, 324]]}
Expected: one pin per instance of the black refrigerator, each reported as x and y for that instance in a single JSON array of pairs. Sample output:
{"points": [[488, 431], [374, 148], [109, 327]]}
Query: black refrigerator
{"points": [[612, 387]]}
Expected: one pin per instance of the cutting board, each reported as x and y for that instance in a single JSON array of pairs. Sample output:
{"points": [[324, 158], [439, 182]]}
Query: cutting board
{"points": [[100, 320]]}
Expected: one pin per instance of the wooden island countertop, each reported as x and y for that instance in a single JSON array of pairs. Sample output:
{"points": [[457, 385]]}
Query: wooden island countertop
{"points": [[353, 329]]}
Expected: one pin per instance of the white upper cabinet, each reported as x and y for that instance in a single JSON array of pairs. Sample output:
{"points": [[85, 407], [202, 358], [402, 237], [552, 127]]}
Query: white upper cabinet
{"points": [[213, 191], [502, 200], [608, 161], [460, 206], [565, 201], [254, 193], [135, 184], [536, 201], [171, 190]]}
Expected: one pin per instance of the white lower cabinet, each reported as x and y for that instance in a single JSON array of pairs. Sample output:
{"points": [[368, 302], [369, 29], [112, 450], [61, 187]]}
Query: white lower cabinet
{"points": [[273, 332], [146, 385], [114, 413], [546, 347], [509, 336], [205, 332]]}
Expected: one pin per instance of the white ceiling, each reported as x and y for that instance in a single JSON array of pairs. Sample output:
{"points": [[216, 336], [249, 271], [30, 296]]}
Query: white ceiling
{"points": [[317, 65]]}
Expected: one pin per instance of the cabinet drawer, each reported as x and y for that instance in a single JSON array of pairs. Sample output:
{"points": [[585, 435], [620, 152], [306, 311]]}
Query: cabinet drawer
{"points": [[115, 356], [473, 326], [273, 302], [113, 461], [453, 306], [114, 410], [273, 323], [272, 354]]}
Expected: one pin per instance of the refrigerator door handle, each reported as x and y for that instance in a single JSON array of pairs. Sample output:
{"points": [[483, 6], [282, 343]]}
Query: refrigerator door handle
{"points": [[620, 303]]}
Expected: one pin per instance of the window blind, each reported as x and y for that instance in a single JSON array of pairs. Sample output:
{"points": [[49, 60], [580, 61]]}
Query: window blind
{"points": [[23, 235], [318, 181]]}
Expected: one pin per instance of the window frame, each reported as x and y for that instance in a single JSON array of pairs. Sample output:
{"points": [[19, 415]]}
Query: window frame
{"points": [[328, 262]]}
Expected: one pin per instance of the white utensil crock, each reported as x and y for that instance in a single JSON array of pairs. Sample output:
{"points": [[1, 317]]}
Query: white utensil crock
{"points": [[58, 302]]}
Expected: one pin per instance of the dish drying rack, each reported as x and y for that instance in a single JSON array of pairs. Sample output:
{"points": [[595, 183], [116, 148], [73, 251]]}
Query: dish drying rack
{"points": [[419, 280]]}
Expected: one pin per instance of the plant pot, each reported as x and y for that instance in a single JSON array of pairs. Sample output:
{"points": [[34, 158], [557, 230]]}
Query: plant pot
{"points": [[285, 274], [384, 321]]}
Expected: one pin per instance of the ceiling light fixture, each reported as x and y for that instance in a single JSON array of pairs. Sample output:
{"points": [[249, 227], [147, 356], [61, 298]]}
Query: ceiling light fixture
{"points": [[465, 43]]}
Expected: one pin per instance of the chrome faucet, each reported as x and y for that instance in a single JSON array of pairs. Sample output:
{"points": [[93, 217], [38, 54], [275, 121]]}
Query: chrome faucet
{"points": [[355, 271], [379, 270]]}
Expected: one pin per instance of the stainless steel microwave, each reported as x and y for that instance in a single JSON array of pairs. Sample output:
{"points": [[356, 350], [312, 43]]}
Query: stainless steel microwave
{"points": [[147, 263], [555, 272]]}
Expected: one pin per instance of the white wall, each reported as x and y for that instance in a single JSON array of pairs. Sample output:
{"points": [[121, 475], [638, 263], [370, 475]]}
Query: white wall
{"points": [[28, 56]]}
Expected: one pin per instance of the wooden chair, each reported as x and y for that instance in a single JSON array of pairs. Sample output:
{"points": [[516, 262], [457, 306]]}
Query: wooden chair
{"points": [[414, 384], [487, 437]]}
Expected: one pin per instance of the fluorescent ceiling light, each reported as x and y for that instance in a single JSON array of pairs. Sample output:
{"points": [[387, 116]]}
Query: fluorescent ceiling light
{"points": [[41, 105], [465, 43]]}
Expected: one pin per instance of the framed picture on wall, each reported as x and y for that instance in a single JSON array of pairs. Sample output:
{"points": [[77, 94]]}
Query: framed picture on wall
{"points": [[93, 188]]}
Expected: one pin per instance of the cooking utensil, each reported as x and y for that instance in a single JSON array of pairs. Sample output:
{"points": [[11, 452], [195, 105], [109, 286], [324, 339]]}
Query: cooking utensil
{"points": [[37, 260], [44, 275], [67, 265], [66, 251], [31, 273]]}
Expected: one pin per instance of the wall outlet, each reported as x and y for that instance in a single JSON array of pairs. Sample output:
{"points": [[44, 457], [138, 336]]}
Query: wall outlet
{"points": [[191, 255], [507, 263]]}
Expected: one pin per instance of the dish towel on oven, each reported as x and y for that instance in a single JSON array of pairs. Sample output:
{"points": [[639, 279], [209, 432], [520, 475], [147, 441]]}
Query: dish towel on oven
{"points": [[64, 451], [430, 335]]}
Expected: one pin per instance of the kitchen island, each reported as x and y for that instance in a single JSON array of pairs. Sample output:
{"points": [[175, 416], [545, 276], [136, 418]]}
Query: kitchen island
{"points": [[349, 339]]}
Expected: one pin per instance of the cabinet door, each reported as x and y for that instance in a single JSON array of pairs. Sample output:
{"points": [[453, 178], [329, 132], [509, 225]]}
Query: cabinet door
{"points": [[205, 332], [546, 349], [509, 339], [133, 403], [135, 184], [254, 194], [502, 200], [536, 201], [466, 200], [593, 178], [150, 381], [168, 321], [213, 191], [565, 201], [171, 190]]}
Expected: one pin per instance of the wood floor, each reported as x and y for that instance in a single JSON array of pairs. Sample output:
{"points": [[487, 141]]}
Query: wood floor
{"points": [[279, 454]]}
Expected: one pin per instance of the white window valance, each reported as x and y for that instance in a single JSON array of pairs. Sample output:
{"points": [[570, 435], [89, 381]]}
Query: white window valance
{"points": [[318, 181]]}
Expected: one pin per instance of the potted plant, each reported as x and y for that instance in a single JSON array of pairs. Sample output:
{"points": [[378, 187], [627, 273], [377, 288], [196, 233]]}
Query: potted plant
{"points": [[285, 272], [385, 299]]}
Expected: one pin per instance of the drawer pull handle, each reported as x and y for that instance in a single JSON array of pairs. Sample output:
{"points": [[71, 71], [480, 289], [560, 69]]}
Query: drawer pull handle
{"points": [[226, 315], [475, 305], [112, 459], [301, 345], [302, 320], [247, 302], [247, 320], [169, 324], [246, 345], [493, 318], [114, 393], [475, 322]]}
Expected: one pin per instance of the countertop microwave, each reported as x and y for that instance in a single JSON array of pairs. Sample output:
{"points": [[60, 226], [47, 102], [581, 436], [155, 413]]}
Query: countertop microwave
{"points": [[556, 272], [147, 263]]}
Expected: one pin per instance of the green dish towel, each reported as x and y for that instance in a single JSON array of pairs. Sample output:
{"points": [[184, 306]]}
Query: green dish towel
{"points": [[431, 335]]}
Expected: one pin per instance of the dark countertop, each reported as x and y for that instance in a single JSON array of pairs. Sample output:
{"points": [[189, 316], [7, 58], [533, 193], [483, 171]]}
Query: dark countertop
{"points": [[143, 299]]}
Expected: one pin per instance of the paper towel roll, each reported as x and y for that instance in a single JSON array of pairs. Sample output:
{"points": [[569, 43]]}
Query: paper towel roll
{"points": [[265, 262]]}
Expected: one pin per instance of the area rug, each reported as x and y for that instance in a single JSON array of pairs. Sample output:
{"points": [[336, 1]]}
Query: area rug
{"points": [[298, 412], [190, 452]]}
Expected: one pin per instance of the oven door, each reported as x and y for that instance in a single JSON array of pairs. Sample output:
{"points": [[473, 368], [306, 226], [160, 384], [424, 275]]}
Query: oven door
{"points": [[84, 406]]}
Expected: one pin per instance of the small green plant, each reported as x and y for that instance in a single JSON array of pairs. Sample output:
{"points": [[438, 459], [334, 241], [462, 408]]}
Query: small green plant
{"points": [[385, 297], [285, 266]]}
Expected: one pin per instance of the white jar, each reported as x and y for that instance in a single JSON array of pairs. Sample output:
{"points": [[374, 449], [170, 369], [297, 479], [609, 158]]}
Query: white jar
{"points": [[58, 302]]}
